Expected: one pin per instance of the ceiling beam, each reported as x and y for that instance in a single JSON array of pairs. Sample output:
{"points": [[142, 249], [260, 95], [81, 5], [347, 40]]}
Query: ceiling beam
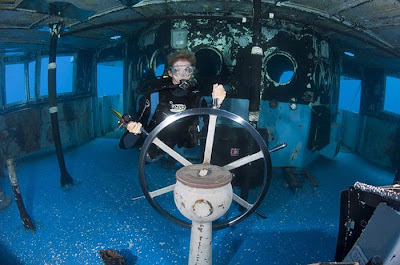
{"points": [[346, 5]]}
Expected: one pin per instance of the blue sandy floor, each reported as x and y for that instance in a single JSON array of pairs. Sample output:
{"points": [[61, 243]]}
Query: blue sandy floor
{"points": [[73, 226]]}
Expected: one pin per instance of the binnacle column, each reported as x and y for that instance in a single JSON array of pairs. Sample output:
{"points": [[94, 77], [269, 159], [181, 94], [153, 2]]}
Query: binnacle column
{"points": [[203, 193]]}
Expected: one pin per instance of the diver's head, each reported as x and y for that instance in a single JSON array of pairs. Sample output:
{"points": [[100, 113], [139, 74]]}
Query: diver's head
{"points": [[181, 66], [181, 70]]}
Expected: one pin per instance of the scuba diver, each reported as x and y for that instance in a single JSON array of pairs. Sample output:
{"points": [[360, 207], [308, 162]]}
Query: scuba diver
{"points": [[175, 95]]}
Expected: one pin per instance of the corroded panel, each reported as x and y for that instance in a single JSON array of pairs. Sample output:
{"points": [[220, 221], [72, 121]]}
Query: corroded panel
{"points": [[30, 130], [21, 133]]}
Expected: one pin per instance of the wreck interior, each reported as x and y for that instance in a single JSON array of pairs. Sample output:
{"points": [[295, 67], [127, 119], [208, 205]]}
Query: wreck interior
{"points": [[326, 84]]}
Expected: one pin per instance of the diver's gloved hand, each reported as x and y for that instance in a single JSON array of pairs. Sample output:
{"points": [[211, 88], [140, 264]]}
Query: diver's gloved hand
{"points": [[218, 93], [124, 120], [134, 127]]}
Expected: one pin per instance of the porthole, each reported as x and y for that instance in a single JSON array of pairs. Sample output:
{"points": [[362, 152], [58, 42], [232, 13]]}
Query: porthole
{"points": [[208, 62], [142, 67], [334, 81], [327, 80], [319, 75], [280, 68], [158, 62]]}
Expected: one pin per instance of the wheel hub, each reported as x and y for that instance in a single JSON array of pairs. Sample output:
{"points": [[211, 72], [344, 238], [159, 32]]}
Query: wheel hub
{"points": [[204, 176]]}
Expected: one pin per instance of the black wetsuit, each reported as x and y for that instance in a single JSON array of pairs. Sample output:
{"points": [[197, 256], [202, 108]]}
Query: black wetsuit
{"points": [[171, 101]]}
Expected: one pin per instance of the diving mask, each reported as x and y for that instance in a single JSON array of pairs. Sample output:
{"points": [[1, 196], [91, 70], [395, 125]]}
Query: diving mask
{"points": [[182, 70]]}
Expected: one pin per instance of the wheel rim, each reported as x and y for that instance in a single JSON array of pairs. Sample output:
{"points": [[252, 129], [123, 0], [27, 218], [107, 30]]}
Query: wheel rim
{"points": [[264, 152]]}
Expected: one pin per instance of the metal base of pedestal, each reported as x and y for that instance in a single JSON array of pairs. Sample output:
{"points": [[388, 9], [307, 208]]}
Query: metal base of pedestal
{"points": [[200, 252], [202, 193]]}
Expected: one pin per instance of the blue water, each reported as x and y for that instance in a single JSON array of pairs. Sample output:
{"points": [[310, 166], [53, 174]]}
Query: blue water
{"points": [[392, 94], [350, 94], [98, 213]]}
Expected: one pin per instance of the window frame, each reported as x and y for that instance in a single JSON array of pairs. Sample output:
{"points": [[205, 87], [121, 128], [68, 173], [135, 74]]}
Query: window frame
{"points": [[26, 59], [23, 64], [388, 112], [74, 71], [361, 92], [122, 61]]}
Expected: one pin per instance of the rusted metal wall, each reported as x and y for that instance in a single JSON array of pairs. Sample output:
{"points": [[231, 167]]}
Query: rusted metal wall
{"points": [[378, 127], [26, 128], [315, 66], [312, 56], [29, 130]]}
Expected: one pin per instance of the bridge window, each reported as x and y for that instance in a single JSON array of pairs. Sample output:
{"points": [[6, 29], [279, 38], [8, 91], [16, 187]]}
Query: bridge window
{"points": [[158, 63], [327, 80], [142, 70], [64, 75], [319, 75], [110, 78], [43, 76], [350, 94], [15, 83], [392, 94], [32, 79]]}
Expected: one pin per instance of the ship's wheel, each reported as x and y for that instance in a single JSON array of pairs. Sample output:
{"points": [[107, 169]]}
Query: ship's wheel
{"points": [[214, 118]]}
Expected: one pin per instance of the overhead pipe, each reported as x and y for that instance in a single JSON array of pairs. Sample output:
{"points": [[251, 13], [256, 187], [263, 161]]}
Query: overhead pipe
{"points": [[346, 6], [65, 179], [256, 63]]}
